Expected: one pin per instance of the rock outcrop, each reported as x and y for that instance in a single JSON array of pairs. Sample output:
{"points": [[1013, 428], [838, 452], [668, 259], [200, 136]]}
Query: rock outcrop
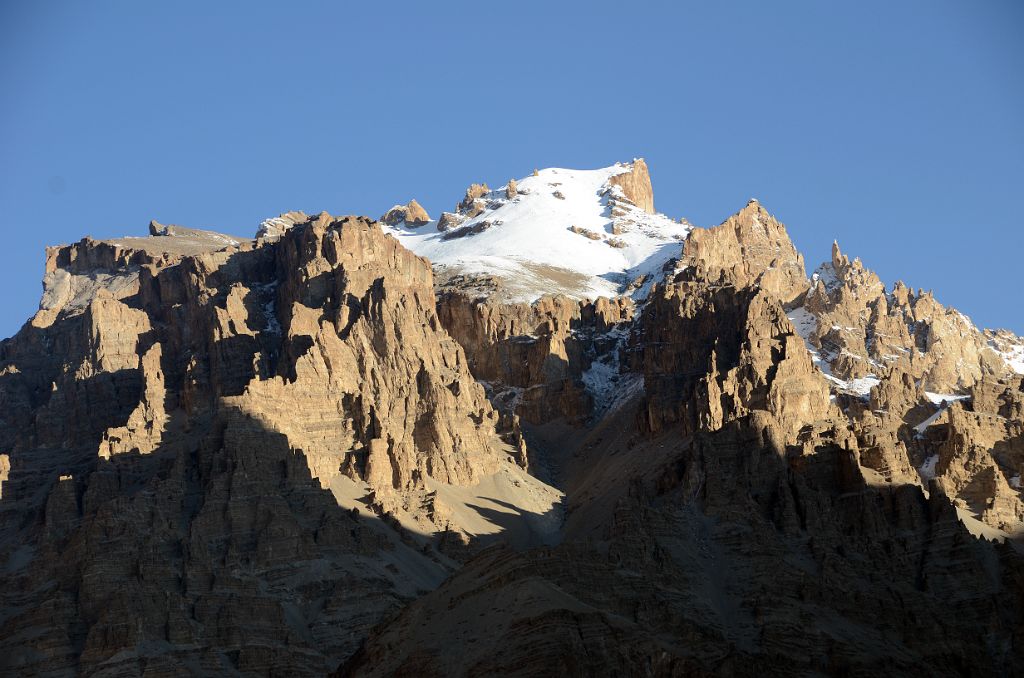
{"points": [[636, 185], [979, 458], [411, 214], [472, 203], [273, 228]]}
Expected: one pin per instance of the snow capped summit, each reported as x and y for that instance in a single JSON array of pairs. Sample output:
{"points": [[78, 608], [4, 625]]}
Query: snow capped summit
{"points": [[583, 233]]}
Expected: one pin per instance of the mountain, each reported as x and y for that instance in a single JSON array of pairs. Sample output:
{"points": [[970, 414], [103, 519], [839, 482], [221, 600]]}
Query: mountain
{"points": [[582, 233], [552, 432]]}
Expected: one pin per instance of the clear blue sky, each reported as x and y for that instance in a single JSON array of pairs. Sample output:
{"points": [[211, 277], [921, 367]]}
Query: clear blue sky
{"points": [[896, 127]]}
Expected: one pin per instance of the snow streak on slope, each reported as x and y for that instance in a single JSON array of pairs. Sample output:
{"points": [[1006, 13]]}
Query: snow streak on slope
{"points": [[1009, 347], [530, 244], [1015, 358]]}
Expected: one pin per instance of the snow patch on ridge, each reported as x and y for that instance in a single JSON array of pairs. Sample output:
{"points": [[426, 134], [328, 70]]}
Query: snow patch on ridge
{"points": [[825, 275], [1014, 358]]}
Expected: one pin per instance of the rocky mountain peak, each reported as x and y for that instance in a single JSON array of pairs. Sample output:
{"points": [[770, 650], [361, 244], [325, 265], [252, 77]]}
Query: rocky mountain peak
{"points": [[750, 247], [583, 233]]}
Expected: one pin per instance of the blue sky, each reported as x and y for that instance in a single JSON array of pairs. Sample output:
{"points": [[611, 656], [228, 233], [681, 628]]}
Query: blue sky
{"points": [[897, 128]]}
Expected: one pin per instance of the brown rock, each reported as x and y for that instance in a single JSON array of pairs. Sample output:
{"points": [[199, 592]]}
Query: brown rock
{"points": [[411, 214], [472, 204], [449, 221], [268, 454], [862, 329], [585, 232], [636, 185], [533, 356], [749, 248]]}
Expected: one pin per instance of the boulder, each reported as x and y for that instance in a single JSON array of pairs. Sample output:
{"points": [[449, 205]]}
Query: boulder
{"points": [[410, 214]]}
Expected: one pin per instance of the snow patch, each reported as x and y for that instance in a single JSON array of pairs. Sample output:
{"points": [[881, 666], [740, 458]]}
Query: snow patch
{"points": [[927, 469], [939, 398], [804, 322], [1014, 358], [826, 276], [860, 387], [944, 401], [530, 246], [505, 400], [601, 381], [272, 227]]}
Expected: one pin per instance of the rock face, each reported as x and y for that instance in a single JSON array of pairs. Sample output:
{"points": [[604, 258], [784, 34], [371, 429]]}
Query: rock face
{"points": [[536, 358], [979, 458], [722, 353], [721, 567], [310, 453]]}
